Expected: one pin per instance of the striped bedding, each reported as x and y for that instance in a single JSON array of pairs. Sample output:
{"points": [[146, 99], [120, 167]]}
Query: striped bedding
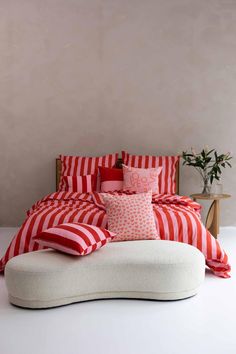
{"points": [[177, 219], [167, 178]]}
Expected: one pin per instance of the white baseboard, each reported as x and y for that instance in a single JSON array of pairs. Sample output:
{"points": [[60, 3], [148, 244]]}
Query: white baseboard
{"points": [[222, 228]]}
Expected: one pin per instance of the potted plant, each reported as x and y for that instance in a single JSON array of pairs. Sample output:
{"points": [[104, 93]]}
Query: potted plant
{"points": [[208, 163]]}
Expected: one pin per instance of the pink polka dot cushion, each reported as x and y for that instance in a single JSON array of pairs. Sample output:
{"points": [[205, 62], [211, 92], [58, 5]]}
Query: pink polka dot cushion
{"points": [[130, 217], [141, 179]]}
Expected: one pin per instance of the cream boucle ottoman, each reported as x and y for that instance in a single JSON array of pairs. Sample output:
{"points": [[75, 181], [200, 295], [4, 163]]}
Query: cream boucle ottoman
{"points": [[160, 270]]}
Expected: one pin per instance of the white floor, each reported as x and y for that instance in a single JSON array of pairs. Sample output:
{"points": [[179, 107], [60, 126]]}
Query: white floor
{"points": [[204, 324]]}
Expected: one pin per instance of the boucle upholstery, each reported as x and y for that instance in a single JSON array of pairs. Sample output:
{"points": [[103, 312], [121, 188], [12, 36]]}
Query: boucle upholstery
{"points": [[153, 269]]}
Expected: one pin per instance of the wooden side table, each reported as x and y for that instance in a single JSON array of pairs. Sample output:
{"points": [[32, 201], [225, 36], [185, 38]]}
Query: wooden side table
{"points": [[213, 216]]}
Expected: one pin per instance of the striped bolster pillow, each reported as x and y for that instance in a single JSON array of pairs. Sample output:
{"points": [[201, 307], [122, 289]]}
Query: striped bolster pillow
{"points": [[74, 238], [79, 184]]}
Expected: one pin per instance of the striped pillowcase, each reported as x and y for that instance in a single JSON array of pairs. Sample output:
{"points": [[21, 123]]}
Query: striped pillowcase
{"points": [[167, 177], [79, 184], [74, 238], [81, 166]]}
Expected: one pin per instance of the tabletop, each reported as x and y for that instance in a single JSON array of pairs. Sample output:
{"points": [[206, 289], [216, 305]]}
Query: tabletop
{"points": [[210, 196]]}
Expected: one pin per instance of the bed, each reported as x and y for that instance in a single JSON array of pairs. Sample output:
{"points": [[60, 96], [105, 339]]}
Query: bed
{"points": [[177, 219]]}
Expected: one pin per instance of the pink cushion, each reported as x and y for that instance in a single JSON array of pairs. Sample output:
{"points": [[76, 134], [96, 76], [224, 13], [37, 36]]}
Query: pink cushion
{"points": [[74, 238], [167, 178], [82, 165], [79, 184], [141, 179], [130, 217]]}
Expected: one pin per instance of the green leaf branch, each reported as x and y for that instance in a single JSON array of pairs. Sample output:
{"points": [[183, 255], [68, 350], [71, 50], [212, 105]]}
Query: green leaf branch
{"points": [[208, 163]]}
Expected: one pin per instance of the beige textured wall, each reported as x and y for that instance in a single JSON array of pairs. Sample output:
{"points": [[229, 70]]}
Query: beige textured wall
{"points": [[92, 76]]}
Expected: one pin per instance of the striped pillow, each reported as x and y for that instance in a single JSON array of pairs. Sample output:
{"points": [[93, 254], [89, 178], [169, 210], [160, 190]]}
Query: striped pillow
{"points": [[79, 184], [81, 166], [74, 238], [167, 177], [111, 179]]}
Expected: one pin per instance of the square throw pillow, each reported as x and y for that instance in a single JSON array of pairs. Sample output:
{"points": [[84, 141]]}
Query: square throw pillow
{"points": [[79, 184], [111, 179], [130, 217], [167, 178], [74, 238], [141, 179]]}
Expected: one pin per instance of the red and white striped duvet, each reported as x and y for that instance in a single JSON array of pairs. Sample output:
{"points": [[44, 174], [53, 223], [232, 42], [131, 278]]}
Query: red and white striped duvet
{"points": [[177, 219]]}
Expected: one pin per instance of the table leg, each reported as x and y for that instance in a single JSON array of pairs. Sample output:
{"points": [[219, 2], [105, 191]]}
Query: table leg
{"points": [[212, 220]]}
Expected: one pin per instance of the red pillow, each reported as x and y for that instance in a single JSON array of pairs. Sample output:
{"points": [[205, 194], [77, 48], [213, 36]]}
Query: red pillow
{"points": [[81, 165], [80, 184], [167, 177], [74, 238], [111, 179]]}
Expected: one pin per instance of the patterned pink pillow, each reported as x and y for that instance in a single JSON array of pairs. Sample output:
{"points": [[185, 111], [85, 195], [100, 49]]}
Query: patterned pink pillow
{"points": [[130, 217], [141, 179]]}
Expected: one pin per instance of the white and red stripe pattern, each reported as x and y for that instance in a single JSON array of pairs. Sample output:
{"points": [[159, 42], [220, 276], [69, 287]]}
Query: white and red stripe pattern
{"points": [[180, 221], [74, 238], [81, 165], [80, 184], [167, 177], [177, 218]]}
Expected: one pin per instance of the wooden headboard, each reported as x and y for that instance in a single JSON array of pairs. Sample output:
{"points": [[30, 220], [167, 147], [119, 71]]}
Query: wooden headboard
{"points": [[177, 178], [58, 174]]}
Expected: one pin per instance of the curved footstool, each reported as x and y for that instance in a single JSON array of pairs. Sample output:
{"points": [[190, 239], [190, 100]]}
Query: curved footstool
{"points": [[160, 270]]}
